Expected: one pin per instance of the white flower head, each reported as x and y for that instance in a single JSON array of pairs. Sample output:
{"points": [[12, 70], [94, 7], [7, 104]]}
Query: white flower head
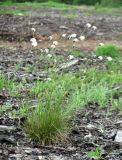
{"points": [[53, 46], [55, 43], [109, 58], [94, 27], [84, 71], [71, 56], [88, 25], [48, 79], [33, 39], [41, 50], [34, 44], [20, 14], [101, 44], [50, 38], [49, 55], [33, 29], [75, 40], [47, 50], [82, 38], [63, 35], [100, 58], [72, 36]]}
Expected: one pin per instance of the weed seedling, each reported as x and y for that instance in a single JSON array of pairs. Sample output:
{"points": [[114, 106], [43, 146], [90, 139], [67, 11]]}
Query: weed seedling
{"points": [[96, 154]]}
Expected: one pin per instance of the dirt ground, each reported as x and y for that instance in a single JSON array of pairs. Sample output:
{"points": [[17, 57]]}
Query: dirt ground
{"points": [[55, 22], [91, 127]]}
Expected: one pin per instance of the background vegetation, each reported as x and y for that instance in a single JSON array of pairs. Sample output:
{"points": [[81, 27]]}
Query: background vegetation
{"points": [[113, 3]]}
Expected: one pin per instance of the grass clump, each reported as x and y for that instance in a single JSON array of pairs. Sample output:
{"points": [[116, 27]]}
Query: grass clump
{"points": [[9, 85], [5, 83], [5, 107], [107, 50], [48, 122], [64, 93]]}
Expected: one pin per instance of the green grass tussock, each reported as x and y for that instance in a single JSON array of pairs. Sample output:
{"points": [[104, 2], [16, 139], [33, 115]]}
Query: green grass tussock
{"points": [[107, 50], [64, 93]]}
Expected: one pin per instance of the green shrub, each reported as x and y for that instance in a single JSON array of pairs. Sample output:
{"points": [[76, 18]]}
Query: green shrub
{"points": [[107, 50]]}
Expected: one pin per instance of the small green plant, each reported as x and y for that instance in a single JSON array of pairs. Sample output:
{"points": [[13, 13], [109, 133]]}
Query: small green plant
{"points": [[117, 104], [5, 107], [107, 50], [113, 65], [76, 53], [2, 81], [46, 124], [96, 154], [23, 111]]}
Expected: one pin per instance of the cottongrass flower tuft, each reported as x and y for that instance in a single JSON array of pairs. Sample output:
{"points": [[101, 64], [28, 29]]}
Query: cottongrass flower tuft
{"points": [[49, 55], [82, 38], [41, 50], [48, 79], [20, 14], [71, 57], [94, 27], [53, 46], [100, 58], [55, 43], [47, 50], [63, 35], [75, 40], [109, 58], [33, 42], [33, 39], [72, 36], [101, 44], [33, 29], [50, 38], [88, 25]]}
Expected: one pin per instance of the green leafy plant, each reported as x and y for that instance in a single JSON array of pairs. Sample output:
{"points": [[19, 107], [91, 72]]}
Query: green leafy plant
{"points": [[107, 50], [96, 154], [23, 111], [5, 107], [117, 104]]}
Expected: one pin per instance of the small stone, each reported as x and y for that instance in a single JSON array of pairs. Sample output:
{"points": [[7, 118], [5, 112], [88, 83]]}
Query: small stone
{"points": [[118, 137], [7, 128], [28, 151], [0, 151], [71, 57], [40, 158], [90, 126], [15, 155], [87, 137], [119, 123]]}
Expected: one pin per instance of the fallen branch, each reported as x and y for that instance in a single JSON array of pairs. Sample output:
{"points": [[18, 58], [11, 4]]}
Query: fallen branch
{"points": [[67, 65]]}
